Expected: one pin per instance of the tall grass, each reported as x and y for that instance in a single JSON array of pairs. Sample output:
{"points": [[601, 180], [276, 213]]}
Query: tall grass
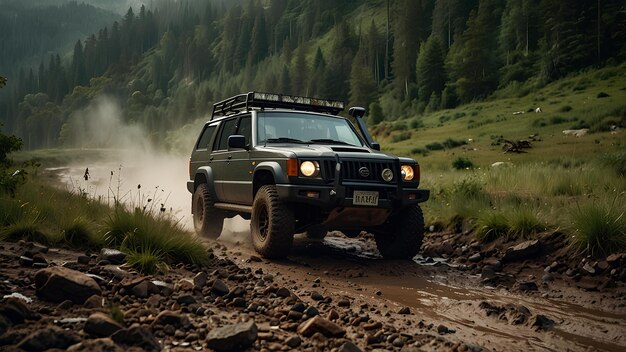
{"points": [[599, 228], [153, 239]]}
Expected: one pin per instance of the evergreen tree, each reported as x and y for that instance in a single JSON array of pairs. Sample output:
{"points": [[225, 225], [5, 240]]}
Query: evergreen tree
{"points": [[430, 71], [362, 83], [409, 31]]}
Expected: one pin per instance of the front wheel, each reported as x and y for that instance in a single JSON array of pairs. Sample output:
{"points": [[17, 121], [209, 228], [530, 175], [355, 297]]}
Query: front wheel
{"points": [[404, 236], [271, 224], [207, 221]]}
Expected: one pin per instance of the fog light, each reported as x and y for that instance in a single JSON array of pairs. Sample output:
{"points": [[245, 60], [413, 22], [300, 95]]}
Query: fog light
{"points": [[387, 175], [312, 194]]}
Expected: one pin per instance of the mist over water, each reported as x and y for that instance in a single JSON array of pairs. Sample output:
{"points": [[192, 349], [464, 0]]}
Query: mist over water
{"points": [[135, 170]]}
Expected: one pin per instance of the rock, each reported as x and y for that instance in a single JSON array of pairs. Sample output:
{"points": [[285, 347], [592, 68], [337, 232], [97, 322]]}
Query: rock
{"points": [[26, 261], [167, 317], [84, 260], [547, 277], [615, 259], [316, 296], [199, 281], [101, 345], [293, 341], [311, 311], [164, 288], [523, 250], [16, 312], [101, 325], [442, 329], [232, 337], [143, 289], [541, 322], [344, 302], [113, 256], [570, 272], [39, 261], [219, 288], [136, 336], [115, 271], [333, 315], [57, 284], [48, 338], [298, 307], [321, 325], [589, 268], [283, 292], [186, 300], [349, 347], [475, 258], [404, 311], [527, 286], [602, 266]]}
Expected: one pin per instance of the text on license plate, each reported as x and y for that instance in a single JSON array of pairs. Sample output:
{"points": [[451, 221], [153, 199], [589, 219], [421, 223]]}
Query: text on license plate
{"points": [[365, 198]]}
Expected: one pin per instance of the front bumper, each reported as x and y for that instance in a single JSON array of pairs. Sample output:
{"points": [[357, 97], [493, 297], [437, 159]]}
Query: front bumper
{"points": [[330, 197]]}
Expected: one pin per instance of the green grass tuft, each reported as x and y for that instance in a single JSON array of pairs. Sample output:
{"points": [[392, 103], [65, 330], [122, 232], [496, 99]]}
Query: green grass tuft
{"points": [[491, 225], [524, 223], [147, 261], [599, 228], [78, 233]]}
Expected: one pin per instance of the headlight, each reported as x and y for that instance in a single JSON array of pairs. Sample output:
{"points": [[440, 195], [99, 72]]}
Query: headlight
{"points": [[310, 168], [407, 172], [387, 175]]}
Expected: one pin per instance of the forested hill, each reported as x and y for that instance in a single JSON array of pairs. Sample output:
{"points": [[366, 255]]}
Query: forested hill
{"points": [[168, 63]]}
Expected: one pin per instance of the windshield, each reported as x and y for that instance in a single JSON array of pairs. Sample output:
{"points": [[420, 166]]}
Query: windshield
{"points": [[287, 127]]}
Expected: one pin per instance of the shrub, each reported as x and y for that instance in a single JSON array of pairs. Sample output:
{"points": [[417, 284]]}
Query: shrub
{"points": [[453, 143], [418, 150], [599, 229], [402, 136], [416, 123], [462, 163], [555, 120], [491, 225], [434, 146], [603, 95], [565, 108], [79, 234], [523, 223]]}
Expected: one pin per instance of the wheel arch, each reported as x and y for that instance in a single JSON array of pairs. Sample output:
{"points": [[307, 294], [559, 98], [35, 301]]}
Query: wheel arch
{"points": [[267, 173]]}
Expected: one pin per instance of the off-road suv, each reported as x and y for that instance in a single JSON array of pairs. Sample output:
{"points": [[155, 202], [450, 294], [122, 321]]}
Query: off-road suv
{"points": [[292, 165]]}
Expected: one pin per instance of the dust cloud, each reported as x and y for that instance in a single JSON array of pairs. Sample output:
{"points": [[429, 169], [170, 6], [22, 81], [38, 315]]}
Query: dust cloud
{"points": [[133, 169]]}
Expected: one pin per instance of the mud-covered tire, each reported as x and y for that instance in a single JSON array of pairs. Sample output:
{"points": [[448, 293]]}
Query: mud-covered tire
{"points": [[315, 233], [403, 236], [271, 224], [207, 220]]}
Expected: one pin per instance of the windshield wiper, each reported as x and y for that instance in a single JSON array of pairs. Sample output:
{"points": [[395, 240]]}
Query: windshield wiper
{"points": [[285, 140], [329, 141]]}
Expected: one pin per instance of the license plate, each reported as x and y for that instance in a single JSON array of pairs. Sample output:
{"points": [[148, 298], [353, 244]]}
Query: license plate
{"points": [[369, 198]]}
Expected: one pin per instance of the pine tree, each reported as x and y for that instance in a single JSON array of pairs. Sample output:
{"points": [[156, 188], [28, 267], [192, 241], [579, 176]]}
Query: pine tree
{"points": [[408, 33], [362, 83], [430, 71], [300, 72]]}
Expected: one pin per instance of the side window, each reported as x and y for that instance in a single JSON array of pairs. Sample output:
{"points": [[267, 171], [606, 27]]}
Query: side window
{"points": [[205, 138], [228, 130], [245, 128]]}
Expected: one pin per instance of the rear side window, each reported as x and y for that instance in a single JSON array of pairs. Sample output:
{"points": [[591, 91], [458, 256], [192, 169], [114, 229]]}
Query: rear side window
{"points": [[227, 131], [206, 137]]}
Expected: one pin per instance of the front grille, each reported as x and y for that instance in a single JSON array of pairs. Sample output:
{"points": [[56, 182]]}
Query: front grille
{"points": [[350, 170]]}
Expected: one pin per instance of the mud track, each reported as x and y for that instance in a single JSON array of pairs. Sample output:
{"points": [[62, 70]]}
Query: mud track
{"points": [[440, 294]]}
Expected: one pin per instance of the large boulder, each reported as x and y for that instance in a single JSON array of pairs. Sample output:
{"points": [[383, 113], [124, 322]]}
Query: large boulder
{"points": [[236, 337], [522, 251], [58, 284]]}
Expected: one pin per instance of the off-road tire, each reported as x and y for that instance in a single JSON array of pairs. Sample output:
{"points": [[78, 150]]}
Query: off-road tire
{"points": [[271, 224], [207, 220], [316, 233], [401, 237]]}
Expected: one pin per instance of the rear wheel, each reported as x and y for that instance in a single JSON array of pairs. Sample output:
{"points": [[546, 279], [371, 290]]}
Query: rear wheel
{"points": [[207, 220], [405, 236], [271, 224]]}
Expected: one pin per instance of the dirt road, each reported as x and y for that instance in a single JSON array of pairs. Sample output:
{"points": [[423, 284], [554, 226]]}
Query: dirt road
{"points": [[440, 294]]}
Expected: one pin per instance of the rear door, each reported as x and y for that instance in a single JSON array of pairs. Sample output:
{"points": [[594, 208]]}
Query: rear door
{"points": [[221, 157]]}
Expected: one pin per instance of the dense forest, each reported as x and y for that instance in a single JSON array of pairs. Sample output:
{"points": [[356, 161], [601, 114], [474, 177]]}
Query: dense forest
{"points": [[166, 64]]}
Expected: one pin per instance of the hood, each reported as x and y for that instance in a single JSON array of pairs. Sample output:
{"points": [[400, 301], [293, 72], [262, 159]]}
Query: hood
{"points": [[330, 151]]}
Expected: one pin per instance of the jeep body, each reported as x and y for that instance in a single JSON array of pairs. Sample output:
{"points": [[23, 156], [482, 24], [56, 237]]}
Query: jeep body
{"points": [[316, 172]]}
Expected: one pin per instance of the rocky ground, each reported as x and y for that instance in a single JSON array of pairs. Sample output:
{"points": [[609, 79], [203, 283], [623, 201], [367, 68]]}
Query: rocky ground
{"points": [[335, 295]]}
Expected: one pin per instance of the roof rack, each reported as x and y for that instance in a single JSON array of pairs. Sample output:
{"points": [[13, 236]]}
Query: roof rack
{"points": [[242, 102]]}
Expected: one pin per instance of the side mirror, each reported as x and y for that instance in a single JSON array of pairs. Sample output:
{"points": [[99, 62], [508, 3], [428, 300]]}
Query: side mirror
{"points": [[237, 141], [376, 146]]}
